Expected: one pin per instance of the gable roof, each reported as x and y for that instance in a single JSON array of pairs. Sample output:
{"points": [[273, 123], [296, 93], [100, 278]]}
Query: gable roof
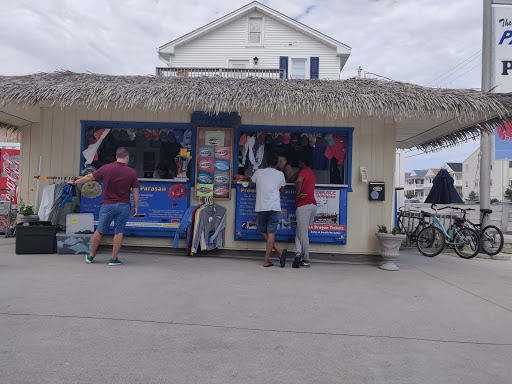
{"points": [[420, 173], [343, 50], [456, 167]]}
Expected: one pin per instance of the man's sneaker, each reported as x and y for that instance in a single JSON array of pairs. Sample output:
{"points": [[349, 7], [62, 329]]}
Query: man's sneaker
{"points": [[304, 263], [89, 258], [296, 262], [114, 262]]}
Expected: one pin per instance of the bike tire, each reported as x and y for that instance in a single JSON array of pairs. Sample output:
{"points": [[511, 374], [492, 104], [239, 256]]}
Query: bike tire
{"points": [[466, 243], [430, 241], [491, 239]]}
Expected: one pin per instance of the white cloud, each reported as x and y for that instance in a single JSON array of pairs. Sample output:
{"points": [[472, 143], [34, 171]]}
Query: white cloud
{"points": [[405, 40]]}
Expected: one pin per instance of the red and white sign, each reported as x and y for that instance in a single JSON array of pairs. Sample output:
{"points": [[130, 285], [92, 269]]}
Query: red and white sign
{"points": [[10, 174]]}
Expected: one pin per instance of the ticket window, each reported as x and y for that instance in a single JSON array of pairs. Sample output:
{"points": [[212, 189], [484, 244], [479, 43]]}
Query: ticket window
{"points": [[327, 152]]}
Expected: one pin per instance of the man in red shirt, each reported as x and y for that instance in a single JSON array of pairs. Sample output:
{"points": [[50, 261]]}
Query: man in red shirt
{"points": [[118, 180], [306, 211]]}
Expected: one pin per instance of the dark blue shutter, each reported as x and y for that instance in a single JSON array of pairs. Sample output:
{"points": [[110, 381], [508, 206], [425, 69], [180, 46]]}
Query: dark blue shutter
{"points": [[314, 68], [283, 64]]}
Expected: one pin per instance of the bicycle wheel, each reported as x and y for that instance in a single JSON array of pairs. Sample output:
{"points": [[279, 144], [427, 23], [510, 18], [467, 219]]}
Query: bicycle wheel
{"points": [[466, 243], [430, 241], [491, 239]]}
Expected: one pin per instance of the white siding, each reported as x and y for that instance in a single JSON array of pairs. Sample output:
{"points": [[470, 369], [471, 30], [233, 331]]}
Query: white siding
{"points": [[57, 139], [229, 42]]}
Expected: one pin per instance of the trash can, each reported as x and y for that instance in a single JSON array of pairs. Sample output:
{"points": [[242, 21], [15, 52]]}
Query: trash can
{"points": [[36, 237]]}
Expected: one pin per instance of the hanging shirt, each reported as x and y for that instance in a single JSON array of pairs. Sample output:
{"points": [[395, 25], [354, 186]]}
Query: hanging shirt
{"points": [[338, 150]]}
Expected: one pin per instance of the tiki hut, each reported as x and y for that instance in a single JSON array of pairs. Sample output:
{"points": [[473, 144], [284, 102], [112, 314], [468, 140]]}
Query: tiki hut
{"points": [[53, 112]]}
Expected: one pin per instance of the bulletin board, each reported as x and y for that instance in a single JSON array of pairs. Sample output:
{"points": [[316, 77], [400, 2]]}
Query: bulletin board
{"points": [[214, 162]]}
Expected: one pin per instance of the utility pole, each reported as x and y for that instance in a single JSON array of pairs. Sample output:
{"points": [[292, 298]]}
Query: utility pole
{"points": [[359, 69], [485, 138]]}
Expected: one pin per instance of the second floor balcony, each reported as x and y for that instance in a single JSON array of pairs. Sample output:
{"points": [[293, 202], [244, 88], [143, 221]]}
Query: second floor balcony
{"points": [[234, 73]]}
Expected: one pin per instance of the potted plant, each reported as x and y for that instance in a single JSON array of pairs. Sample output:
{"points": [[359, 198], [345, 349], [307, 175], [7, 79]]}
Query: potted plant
{"points": [[389, 246], [26, 213]]}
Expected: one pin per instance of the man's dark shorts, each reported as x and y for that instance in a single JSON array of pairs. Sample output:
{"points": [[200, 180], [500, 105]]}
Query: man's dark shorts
{"points": [[120, 213], [268, 222]]}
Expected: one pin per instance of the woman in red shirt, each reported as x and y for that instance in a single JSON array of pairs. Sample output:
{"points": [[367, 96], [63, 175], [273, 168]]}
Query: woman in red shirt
{"points": [[306, 210]]}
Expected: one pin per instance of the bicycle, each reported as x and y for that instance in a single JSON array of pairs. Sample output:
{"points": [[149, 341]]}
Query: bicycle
{"points": [[491, 237], [433, 238], [410, 231]]}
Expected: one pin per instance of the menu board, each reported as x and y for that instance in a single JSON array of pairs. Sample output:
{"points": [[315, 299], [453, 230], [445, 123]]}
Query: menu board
{"points": [[214, 162], [161, 206]]}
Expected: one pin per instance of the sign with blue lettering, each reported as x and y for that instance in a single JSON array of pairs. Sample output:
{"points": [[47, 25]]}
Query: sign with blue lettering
{"points": [[501, 49], [330, 224], [161, 206]]}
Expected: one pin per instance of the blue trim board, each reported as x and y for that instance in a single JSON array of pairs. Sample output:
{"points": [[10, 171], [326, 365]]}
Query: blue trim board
{"points": [[345, 131]]}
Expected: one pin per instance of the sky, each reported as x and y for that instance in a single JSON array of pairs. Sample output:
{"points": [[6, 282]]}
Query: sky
{"points": [[434, 43]]}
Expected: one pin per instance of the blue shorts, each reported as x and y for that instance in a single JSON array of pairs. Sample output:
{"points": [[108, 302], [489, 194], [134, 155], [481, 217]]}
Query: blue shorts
{"points": [[118, 212], [268, 222]]}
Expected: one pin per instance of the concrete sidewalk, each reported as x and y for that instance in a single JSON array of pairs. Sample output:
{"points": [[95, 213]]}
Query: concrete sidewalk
{"points": [[169, 319]]}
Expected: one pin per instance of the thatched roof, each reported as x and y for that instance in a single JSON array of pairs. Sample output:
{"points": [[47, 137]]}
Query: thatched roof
{"points": [[352, 97]]}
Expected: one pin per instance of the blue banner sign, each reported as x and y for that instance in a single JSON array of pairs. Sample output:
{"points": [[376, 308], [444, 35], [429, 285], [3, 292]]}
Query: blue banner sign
{"points": [[161, 206], [330, 221]]}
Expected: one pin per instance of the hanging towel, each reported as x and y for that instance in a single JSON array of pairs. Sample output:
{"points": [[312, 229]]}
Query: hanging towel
{"points": [[46, 202]]}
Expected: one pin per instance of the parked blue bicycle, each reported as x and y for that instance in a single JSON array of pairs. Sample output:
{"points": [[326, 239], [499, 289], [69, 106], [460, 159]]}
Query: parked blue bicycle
{"points": [[434, 237]]}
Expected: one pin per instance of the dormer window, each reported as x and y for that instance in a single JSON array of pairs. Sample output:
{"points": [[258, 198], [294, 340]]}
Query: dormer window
{"points": [[255, 31]]}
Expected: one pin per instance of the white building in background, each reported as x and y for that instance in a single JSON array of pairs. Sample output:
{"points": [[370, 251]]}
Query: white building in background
{"points": [[415, 183], [256, 41], [501, 176], [455, 171], [429, 179]]}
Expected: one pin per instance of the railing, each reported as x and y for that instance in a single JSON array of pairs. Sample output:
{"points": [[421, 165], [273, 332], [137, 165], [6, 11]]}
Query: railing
{"points": [[235, 73]]}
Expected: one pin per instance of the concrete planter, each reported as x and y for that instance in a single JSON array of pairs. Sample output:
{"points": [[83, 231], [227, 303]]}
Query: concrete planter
{"points": [[389, 249]]}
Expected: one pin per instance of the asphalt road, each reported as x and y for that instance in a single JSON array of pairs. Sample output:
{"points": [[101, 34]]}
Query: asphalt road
{"points": [[169, 319]]}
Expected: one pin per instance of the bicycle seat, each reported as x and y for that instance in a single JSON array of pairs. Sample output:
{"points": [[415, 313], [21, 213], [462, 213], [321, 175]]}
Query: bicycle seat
{"points": [[486, 211], [426, 214]]}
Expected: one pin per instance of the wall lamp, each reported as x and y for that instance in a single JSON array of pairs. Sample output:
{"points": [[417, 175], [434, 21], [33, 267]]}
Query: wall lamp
{"points": [[255, 60]]}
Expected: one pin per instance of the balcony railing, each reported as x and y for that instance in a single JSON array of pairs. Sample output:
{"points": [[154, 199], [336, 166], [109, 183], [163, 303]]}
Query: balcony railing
{"points": [[235, 73]]}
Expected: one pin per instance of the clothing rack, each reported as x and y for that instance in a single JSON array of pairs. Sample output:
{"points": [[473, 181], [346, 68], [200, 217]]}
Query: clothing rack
{"points": [[62, 178]]}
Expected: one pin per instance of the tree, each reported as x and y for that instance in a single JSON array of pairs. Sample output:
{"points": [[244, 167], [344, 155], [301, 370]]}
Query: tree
{"points": [[494, 201], [508, 193], [409, 195], [474, 197]]}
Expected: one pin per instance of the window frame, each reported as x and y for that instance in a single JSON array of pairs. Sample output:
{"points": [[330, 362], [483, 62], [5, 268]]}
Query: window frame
{"points": [[262, 34], [345, 131], [306, 65]]}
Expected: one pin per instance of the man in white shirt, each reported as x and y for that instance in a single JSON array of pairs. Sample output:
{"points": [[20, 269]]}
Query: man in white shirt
{"points": [[269, 184]]}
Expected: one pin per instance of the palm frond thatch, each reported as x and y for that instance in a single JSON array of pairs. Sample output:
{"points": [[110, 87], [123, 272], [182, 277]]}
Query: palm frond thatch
{"points": [[352, 97]]}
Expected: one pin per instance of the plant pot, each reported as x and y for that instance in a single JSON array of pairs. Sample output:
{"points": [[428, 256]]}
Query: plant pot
{"points": [[389, 249], [27, 218]]}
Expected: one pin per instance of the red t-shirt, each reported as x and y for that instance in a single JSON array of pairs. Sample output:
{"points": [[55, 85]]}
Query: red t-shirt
{"points": [[118, 179], [338, 150], [307, 187]]}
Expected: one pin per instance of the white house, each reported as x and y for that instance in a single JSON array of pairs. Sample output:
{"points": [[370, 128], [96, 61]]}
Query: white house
{"points": [[455, 171], [429, 178], [254, 40], [415, 183], [501, 176]]}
